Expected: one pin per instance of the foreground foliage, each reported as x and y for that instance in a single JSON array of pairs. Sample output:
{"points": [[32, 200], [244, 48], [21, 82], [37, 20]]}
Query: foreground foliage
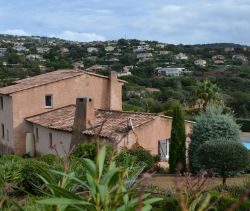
{"points": [[103, 190]]}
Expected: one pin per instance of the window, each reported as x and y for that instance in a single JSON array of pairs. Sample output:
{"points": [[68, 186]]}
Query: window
{"points": [[1, 103], [2, 127], [50, 140], [163, 149], [37, 135], [7, 135], [48, 101]]}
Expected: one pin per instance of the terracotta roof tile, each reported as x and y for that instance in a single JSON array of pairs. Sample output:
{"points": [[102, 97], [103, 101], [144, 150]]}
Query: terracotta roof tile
{"points": [[112, 122], [39, 80], [46, 78]]}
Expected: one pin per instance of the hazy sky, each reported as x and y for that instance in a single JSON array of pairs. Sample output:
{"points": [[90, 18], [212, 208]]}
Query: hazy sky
{"points": [[179, 21]]}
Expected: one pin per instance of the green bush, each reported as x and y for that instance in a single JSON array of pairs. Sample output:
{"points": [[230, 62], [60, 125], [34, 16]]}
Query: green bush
{"points": [[143, 155], [130, 162], [85, 151], [50, 159], [30, 181], [224, 202], [211, 125], [226, 158], [4, 158], [234, 191], [167, 204], [160, 170], [157, 158], [245, 124], [9, 170], [88, 150]]}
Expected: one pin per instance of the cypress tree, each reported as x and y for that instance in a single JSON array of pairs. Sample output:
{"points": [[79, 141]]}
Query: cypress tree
{"points": [[177, 151]]}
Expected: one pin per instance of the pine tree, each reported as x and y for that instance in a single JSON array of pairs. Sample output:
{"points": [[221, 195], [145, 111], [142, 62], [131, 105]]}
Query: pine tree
{"points": [[177, 151]]}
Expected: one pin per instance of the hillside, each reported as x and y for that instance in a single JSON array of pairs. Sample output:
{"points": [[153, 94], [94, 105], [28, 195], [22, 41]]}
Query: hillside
{"points": [[225, 64]]}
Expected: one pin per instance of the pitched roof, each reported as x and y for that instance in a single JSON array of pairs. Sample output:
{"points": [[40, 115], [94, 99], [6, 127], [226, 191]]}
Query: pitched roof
{"points": [[111, 122], [43, 79]]}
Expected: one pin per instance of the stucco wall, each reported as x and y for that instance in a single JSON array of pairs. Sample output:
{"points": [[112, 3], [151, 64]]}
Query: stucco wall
{"points": [[150, 133], [147, 136], [6, 119], [32, 101], [60, 140]]}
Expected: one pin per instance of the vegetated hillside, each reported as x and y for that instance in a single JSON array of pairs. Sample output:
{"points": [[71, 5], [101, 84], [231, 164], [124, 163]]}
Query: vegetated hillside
{"points": [[224, 64]]}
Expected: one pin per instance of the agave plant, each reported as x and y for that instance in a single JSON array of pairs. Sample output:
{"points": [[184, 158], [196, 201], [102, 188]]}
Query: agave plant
{"points": [[104, 189]]}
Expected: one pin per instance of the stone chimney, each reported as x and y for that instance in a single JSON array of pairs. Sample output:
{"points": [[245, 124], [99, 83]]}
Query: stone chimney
{"points": [[115, 95], [84, 119]]}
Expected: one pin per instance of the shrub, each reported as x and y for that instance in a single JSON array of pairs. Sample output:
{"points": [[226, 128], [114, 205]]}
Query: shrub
{"points": [[131, 163], [50, 159], [177, 151], [160, 170], [5, 158], [224, 202], [234, 191], [211, 125], [9, 171], [157, 158], [104, 190], [30, 181], [88, 150], [168, 203], [143, 155], [226, 158]]}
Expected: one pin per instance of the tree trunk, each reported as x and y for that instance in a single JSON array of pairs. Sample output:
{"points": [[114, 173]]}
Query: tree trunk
{"points": [[224, 181]]}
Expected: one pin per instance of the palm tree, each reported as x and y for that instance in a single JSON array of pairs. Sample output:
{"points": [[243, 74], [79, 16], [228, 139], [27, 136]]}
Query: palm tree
{"points": [[207, 93]]}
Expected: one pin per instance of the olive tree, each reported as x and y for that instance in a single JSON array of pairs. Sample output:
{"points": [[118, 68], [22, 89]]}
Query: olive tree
{"points": [[223, 157]]}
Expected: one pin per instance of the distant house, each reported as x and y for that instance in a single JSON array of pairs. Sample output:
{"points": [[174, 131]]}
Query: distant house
{"points": [[141, 48], [3, 51], [34, 57], [64, 50], [92, 49], [124, 74], [239, 57], [113, 59], [42, 50], [218, 59], [200, 62], [181, 56], [169, 71], [127, 68], [97, 67], [109, 48], [78, 64], [229, 49], [144, 55], [161, 45], [165, 52], [126, 71], [20, 48], [42, 67]]}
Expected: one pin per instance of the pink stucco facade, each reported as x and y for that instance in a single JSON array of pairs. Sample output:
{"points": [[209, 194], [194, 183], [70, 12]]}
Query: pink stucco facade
{"points": [[28, 102]]}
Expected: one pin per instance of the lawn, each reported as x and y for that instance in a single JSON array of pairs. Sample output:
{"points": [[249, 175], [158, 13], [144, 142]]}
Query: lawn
{"points": [[170, 181]]}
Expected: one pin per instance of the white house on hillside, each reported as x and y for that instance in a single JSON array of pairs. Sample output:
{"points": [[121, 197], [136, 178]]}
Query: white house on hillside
{"points": [[169, 71]]}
